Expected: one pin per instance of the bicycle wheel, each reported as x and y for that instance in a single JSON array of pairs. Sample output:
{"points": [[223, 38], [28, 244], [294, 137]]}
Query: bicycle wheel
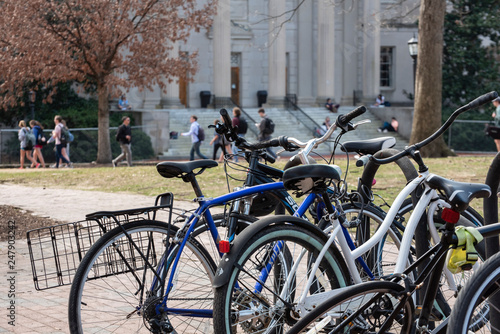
{"points": [[361, 308], [248, 303], [479, 301], [113, 287], [449, 289]]}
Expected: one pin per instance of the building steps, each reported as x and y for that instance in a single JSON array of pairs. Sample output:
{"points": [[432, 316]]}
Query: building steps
{"points": [[285, 124]]}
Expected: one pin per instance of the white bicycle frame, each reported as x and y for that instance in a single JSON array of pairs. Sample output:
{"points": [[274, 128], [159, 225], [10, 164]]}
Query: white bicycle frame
{"points": [[429, 199]]}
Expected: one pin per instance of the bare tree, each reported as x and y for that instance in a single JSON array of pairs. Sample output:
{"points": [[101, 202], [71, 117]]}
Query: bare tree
{"points": [[428, 86], [104, 44]]}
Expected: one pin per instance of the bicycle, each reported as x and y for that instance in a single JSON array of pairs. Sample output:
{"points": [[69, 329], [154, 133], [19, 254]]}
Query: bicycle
{"points": [[244, 298], [160, 273], [388, 305], [481, 292]]}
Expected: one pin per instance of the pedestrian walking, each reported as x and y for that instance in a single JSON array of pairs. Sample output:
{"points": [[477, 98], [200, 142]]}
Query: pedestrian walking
{"points": [[496, 118], [195, 131], [266, 129], [124, 137], [40, 141], [60, 134], [242, 125], [26, 144]]}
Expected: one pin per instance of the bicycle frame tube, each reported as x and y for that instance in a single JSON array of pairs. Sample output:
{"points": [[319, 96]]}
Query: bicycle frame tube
{"points": [[204, 209], [390, 217], [419, 210]]}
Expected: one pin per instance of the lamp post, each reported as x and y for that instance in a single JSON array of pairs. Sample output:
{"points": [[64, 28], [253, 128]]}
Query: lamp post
{"points": [[32, 97], [413, 49]]}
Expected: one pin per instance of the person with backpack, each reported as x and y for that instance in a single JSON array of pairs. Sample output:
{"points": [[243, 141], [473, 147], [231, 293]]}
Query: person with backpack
{"points": [[242, 125], [27, 142], [197, 136], [266, 129], [124, 136], [58, 134], [40, 141]]}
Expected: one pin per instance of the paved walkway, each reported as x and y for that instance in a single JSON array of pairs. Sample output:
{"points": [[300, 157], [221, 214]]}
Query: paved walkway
{"points": [[46, 311]]}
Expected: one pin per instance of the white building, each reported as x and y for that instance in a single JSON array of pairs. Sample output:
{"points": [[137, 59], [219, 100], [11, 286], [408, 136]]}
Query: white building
{"points": [[343, 49]]}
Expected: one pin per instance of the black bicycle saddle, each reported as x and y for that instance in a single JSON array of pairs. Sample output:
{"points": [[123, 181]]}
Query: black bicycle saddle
{"points": [[459, 194], [310, 178], [171, 169], [369, 146]]}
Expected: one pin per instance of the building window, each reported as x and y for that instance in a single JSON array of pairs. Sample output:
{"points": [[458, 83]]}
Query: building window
{"points": [[386, 66], [235, 59]]}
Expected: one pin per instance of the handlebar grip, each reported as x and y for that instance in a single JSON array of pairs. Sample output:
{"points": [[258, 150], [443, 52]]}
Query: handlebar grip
{"points": [[225, 117], [344, 119], [269, 158], [483, 99], [363, 160], [268, 143]]}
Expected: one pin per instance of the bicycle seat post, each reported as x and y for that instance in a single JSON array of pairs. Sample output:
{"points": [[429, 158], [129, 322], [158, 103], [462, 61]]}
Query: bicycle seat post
{"points": [[191, 177]]}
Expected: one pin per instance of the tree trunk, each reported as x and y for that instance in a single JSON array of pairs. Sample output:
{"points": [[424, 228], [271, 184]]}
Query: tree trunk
{"points": [[428, 86], [103, 143]]}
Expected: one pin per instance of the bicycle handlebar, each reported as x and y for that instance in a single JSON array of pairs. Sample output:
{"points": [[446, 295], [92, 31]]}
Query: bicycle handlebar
{"points": [[288, 143], [343, 120], [412, 148]]}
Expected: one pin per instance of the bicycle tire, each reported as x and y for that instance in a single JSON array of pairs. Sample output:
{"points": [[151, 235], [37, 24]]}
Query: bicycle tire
{"points": [[445, 296], [195, 265], [237, 294], [479, 297], [468, 218], [444, 299], [366, 322]]}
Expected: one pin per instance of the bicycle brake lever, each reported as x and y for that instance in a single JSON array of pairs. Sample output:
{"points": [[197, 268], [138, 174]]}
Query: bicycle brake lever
{"points": [[365, 121]]}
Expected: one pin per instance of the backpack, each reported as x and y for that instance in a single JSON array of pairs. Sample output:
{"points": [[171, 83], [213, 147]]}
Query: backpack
{"points": [[66, 136], [40, 140], [118, 136], [269, 127], [70, 137], [492, 131], [242, 128], [29, 139], [201, 133]]}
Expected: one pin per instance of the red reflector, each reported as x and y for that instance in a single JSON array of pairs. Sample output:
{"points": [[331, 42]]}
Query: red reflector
{"points": [[450, 216], [224, 246]]}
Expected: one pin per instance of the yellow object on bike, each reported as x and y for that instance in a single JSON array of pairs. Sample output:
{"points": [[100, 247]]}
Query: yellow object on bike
{"points": [[464, 255]]}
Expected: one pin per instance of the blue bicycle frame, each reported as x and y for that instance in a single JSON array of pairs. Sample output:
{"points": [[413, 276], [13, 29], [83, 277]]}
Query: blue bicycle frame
{"points": [[204, 211]]}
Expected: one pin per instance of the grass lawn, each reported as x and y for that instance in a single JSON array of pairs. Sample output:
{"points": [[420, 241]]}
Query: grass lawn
{"points": [[146, 181]]}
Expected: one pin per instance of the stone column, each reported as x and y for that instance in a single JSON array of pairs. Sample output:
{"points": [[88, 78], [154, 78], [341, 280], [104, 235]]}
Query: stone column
{"points": [[349, 53], [305, 54], [222, 51], [170, 99], [326, 49], [277, 54], [371, 51], [152, 98]]}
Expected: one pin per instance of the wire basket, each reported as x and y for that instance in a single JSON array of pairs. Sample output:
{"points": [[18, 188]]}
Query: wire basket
{"points": [[56, 251]]}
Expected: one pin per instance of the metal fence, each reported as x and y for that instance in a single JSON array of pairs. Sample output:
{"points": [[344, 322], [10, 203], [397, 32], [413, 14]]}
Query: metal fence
{"points": [[463, 136], [469, 136], [83, 149]]}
